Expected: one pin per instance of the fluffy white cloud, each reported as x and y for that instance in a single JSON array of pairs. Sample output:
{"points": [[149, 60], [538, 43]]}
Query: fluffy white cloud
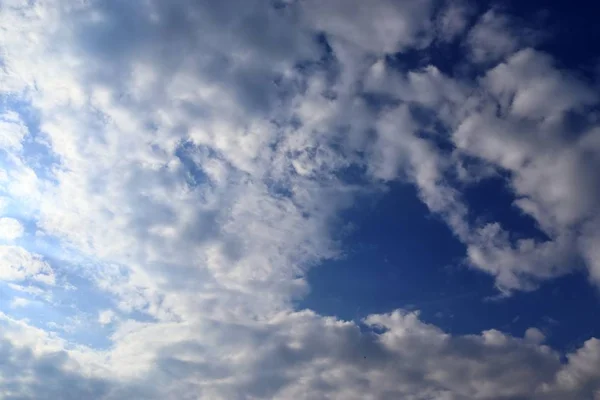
{"points": [[550, 160], [17, 264], [380, 27], [106, 317], [19, 302], [496, 36], [12, 131], [10, 228], [453, 19], [198, 172], [301, 355], [524, 118]]}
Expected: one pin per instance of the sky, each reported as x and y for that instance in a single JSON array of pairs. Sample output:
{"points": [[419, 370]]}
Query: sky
{"points": [[299, 199]]}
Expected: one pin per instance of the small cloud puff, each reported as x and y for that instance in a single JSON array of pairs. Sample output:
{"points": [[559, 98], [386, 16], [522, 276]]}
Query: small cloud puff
{"points": [[106, 317], [17, 264], [10, 228]]}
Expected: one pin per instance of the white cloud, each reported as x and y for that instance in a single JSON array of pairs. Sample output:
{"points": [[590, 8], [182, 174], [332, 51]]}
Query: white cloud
{"points": [[106, 317], [303, 355], [496, 36], [552, 179], [381, 27], [10, 228], [17, 264], [534, 335], [525, 117], [453, 19], [12, 131], [528, 86], [19, 302]]}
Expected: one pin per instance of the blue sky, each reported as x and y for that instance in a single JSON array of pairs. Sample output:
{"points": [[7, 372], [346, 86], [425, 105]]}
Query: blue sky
{"points": [[299, 199], [410, 260]]}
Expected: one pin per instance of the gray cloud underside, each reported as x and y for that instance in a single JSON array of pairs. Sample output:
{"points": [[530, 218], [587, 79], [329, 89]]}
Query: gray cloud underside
{"points": [[305, 356], [203, 156]]}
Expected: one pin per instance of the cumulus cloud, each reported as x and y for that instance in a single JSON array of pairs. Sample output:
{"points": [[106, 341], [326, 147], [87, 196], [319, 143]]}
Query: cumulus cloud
{"points": [[524, 118], [106, 317], [17, 264], [10, 228], [380, 27], [495, 36], [535, 138], [198, 171], [12, 130], [453, 19], [303, 355]]}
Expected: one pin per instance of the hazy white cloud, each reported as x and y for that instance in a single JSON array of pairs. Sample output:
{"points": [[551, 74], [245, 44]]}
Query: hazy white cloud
{"points": [[19, 302], [17, 264], [12, 130], [453, 19], [496, 36], [303, 355], [106, 317], [383, 26], [10, 228]]}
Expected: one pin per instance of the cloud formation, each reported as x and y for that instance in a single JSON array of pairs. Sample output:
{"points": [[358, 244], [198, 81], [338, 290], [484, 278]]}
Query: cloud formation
{"points": [[10, 228], [301, 355], [185, 165], [17, 264]]}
